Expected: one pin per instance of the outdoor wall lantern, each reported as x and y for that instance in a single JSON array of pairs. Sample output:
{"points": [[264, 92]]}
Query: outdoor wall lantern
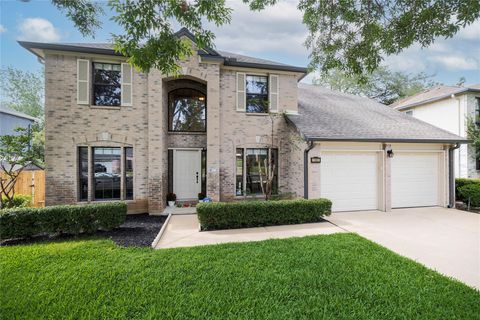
{"points": [[390, 153], [315, 160]]}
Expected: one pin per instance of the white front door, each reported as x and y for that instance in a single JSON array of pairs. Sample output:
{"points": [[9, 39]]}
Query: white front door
{"points": [[187, 175], [415, 179], [350, 180]]}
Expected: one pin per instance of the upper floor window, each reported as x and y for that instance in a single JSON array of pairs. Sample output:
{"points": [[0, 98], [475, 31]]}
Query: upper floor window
{"points": [[186, 111], [256, 94], [106, 84]]}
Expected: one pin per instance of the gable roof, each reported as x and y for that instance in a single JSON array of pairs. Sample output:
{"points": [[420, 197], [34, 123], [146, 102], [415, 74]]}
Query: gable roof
{"points": [[433, 94], [228, 59], [7, 110], [334, 116]]}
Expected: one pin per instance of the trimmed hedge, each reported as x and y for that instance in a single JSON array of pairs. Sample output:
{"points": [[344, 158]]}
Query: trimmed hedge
{"points": [[461, 182], [232, 215], [470, 192], [69, 219]]}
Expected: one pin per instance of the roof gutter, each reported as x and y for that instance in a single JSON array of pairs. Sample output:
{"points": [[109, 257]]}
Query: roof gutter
{"points": [[460, 141], [305, 168], [451, 175]]}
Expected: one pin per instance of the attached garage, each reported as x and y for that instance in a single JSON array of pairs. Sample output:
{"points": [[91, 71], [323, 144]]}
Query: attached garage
{"points": [[363, 155], [350, 180], [416, 179]]}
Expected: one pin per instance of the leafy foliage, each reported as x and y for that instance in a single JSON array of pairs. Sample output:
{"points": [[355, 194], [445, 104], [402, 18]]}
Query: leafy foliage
{"points": [[382, 85], [19, 201], [473, 133], [470, 193], [16, 152], [352, 36], [26, 222], [462, 182], [231, 215], [23, 91]]}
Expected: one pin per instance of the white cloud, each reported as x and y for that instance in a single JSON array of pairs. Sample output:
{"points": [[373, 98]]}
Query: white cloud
{"points": [[457, 62], [2, 29], [470, 32], [38, 29], [276, 29]]}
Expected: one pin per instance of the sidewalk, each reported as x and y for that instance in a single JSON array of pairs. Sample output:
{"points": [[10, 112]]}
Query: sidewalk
{"points": [[184, 231]]}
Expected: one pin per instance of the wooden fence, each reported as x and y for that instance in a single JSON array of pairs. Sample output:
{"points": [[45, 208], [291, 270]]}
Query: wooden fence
{"points": [[32, 183]]}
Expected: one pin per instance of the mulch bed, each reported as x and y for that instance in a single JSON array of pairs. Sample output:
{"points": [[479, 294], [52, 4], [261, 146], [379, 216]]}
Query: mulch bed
{"points": [[139, 230], [464, 207]]}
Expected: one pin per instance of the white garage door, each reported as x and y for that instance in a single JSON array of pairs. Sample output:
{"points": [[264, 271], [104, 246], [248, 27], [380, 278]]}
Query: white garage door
{"points": [[415, 179], [350, 180]]}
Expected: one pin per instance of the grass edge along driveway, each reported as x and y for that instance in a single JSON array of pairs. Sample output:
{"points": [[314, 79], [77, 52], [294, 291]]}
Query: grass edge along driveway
{"points": [[339, 276]]}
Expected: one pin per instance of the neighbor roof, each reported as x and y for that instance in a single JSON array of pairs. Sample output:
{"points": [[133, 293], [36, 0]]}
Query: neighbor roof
{"points": [[7, 110], [433, 94], [229, 59], [329, 115]]}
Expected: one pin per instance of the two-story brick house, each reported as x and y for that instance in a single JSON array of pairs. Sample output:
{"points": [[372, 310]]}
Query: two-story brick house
{"points": [[115, 133]]}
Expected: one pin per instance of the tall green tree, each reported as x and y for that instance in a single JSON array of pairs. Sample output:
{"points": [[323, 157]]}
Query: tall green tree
{"points": [[350, 35], [23, 91], [383, 85], [473, 133]]}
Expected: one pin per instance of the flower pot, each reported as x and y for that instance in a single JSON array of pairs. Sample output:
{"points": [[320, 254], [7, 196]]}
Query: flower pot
{"points": [[171, 204]]}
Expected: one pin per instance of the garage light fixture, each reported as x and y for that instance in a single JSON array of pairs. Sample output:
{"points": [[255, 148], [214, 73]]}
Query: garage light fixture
{"points": [[390, 153]]}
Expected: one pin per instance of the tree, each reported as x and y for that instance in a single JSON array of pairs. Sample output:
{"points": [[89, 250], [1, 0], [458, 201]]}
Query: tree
{"points": [[16, 152], [352, 36], [473, 133], [382, 85], [23, 91]]}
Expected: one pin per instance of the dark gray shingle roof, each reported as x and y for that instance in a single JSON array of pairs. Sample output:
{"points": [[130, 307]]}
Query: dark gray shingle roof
{"points": [[230, 59], [329, 115]]}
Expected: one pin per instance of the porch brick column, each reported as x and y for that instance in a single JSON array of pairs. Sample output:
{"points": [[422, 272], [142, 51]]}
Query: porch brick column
{"points": [[156, 143], [213, 135]]}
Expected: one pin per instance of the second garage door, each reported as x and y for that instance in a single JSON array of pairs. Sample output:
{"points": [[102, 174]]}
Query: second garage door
{"points": [[415, 179], [350, 180]]}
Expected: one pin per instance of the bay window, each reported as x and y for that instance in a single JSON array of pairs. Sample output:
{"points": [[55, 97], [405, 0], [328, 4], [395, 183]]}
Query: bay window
{"points": [[252, 165], [110, 180]]}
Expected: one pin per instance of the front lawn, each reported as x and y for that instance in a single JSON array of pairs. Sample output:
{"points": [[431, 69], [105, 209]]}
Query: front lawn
{"points": [[330, 277]]}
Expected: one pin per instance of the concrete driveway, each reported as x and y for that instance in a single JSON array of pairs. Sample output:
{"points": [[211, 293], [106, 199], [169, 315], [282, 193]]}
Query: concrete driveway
{"points": [[446, 240]]}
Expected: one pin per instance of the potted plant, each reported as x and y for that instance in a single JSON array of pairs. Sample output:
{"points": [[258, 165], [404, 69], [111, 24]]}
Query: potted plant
{"points": [[201, 196], [171, 198]]}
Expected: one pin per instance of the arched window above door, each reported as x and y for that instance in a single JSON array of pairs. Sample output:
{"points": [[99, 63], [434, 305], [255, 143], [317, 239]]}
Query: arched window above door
{"points": [[186, 110]]}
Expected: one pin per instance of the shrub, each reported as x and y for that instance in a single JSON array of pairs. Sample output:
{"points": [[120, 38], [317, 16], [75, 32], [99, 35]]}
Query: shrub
{"points": [[222, 215], [460, 182], [19, 201], [470, 192], [71, 219]]}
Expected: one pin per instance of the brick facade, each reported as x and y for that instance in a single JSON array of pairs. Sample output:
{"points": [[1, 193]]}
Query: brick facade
{"points": [[144, 126]]}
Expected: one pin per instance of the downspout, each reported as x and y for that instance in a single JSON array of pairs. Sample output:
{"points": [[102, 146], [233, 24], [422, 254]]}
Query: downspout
{"points": [[451, 175], [305, 168]]}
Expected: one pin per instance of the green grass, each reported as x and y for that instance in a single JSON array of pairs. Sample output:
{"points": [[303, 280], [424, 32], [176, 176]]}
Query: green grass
{"points": [[340, 276]]}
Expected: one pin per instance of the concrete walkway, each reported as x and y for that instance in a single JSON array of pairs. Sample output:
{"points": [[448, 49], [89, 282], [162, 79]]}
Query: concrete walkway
{"points": [[446, 240], [183, 231]]}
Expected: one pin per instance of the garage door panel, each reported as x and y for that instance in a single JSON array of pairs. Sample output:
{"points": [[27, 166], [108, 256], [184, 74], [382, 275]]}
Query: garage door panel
{"points": [[350, 180], [415, 179]]}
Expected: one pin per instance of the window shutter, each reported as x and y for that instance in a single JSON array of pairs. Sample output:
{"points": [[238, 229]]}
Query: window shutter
{"points": [[241, 99], [126, 90], [83, 77], [273, 93]]}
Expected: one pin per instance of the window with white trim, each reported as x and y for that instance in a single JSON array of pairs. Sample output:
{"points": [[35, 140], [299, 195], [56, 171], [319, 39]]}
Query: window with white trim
{"points": [[256, 94]]}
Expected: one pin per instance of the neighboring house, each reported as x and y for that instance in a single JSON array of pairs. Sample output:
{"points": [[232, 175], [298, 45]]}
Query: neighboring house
{"points": [[449, 107], [115, 133], [11, 119]]}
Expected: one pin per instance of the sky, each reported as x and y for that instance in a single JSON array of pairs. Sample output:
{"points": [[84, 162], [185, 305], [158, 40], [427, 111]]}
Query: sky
{"points": [[276, 33]]}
